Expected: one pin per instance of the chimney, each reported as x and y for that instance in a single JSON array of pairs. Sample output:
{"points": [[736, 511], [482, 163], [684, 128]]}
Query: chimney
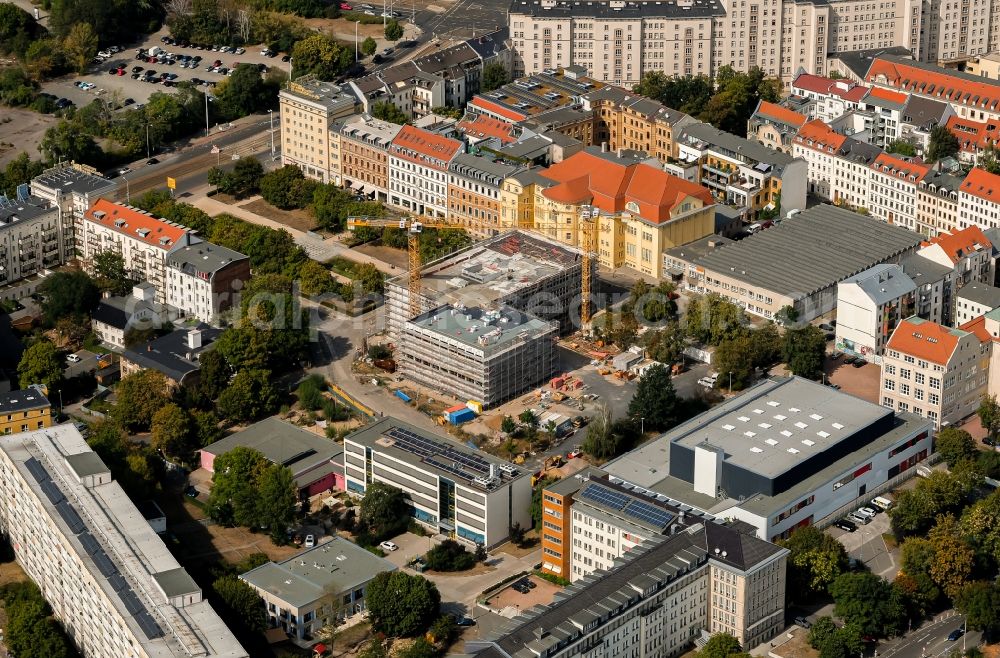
{"points": [[604, 147], [539, 633], [194, 339], [619, 153]]}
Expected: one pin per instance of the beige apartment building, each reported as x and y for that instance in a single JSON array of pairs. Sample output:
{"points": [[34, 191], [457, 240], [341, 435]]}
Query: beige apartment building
{"points": [[934, 371], [308, 109], [363, 147], [937, 203], [624, 120]]}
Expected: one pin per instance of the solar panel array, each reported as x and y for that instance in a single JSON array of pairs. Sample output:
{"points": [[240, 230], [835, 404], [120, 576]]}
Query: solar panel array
{"points": [[440, 455], [101, 560], [628, 506]]}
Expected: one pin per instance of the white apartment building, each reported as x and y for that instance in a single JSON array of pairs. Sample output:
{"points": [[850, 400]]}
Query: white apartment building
{"points": [[308, 109], [937, 203], [954, 30], [852, 174], [418, 171], [832, 98], [934, 371], [204, 280], [979, 200], [882, 111], [975, 300], [33, 238], [894, 190], [820, 147], [968, 252], [869, 305], [73, 188], [458, 492], [108, 577]]}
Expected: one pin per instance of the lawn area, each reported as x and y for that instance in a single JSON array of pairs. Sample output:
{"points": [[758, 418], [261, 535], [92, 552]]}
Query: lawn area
{"points": [[299, 220], [344, 267]]}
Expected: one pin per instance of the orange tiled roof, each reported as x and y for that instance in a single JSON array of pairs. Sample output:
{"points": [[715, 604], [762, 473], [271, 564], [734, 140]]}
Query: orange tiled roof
{"points": [[830, 87], [782, 114], [959, 243], [496, 108], [977, 326], [424, 147], [974, 135], [888, 95], [982, 184], [816, 134], [935, 83], [587, 177], [900, 168], [924, 340], [483, 126], [136, 224]]}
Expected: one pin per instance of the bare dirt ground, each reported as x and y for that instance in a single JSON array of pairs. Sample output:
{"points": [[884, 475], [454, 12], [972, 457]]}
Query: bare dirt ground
{"points": [[299, 220], [389, 255], [22, 132]]}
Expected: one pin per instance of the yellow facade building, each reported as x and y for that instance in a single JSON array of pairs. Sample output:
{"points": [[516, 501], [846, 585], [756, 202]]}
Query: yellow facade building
{"points": [[24, 411], [642, 211]]}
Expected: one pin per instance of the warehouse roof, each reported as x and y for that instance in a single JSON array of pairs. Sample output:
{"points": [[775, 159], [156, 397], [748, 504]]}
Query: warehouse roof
{"points": [[883, 283], [811, 251], [484, 329]]}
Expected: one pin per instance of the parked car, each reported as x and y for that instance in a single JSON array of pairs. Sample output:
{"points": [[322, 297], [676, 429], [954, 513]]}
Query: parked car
{"points": [[310, 541], [240, 51], [849, 359], [152, 161], [955, 634], [345, 7], [826, 327], [527, 582], [191, 492], [286, 58], [859, 363], [868, 511], [573, 454], [856, 518], [844, 524], [388, 546], [128, 101], [521, 587], [803, 622], [73, 358], [882, 503], [124, 170]]}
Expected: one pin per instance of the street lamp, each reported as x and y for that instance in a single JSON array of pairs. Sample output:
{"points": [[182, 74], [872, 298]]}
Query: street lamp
{"points": [[208, 130], [730, 383], [147, 142], [128, 196], [270, 116], [642, 426], [356, 24]]}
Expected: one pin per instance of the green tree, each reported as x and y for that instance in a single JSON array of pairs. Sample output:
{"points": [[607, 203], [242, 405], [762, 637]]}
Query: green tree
{"points": [[942, 144], [171, 432], [233, 498], [65, 141], [310, 393], [508, 425], [244, 92], [449, 555], [495, 75], [140, 395], [980, 603], [401, 605], [249, 396], [821, 631], [384, 510], [372, 279], [40, 364], [955, 445], [205, 428], [321, 56], [528, 418], [213, 375], [17, 29], [368, 47], [865, 600], [111, 275], [277, 495], [688, 94], [720, 645], [665, 345], [315, 279], [80, 46], [816, 560], [242, 602], [386, 111], [655, 399], [242, 181], [939, 493], [766, 345], [285, 188], [980, 524], [804, 351], [393, 31], [711, 319], [989, 415], [987, 160], [68, 294], [954, 560], [901, 147], [733, 360]]}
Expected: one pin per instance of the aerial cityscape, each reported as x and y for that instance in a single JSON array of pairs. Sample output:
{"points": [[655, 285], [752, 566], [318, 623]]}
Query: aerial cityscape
{"points": [[499, 329]]}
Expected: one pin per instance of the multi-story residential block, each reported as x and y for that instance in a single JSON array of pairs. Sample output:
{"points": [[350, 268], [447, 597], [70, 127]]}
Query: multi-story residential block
{"points": [[486, 355], [142, 240], [869, 306], [309, 108], [641, 210], [934, 371], [535, 94], [882, 110], [820, 147], [852, 174], [557, 527], [920, 116], [73, 188], [974, 137], [831, 98], [25, 410], [975, 300], [787, 453], [893, 192], [937, 203], [743, 173], [954, 31], [985, 66], [204, 280], [34, 236], [775, 126], [176, 355], [486, 130], [454, 490], [114, 317], [107, 576], [363, 147], [320, 586], [979, 200], [934, 298], [418, 170], [625, 120], [474, 183], [967, 252], [792, 264]]}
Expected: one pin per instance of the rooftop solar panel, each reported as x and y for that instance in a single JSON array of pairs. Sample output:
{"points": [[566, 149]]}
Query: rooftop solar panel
{"points": [[52, 491], [131, 601], [604, 496], [149, 627], [117, 582], [654, 516], [71, 518], [104, 564], [89, 543], [37, 470]]}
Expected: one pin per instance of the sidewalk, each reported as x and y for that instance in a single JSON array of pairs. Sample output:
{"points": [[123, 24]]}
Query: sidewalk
{"points": [[316, 247]]}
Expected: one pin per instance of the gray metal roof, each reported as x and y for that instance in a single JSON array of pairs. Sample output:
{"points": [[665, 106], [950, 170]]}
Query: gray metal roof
{"points": [[20, 210], [72, 179], [24, 400], [284, 444], [202, 257], [170, 354], [859, 61], [85, 464], [732, 144], [176, 582], [922, 111], [330, 568], [883, 283], [489, 330], [980, 293], [923, 271], [479, 167], [811, 251], [699, 248]]}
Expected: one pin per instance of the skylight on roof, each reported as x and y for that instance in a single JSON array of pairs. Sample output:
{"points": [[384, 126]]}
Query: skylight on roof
{"points": [[807, 442], [758, 411], [780, 417], [750, 434], [785, 433], [765, 426], [770, 442], [794, 410], [755, 449], [745, 419], [729, 428], [822, 434], [772, 403], [838, 426], [815, 416], [801, 425], [794, 451]]}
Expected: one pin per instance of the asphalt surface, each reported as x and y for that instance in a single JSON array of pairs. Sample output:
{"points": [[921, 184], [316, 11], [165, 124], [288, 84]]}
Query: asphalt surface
{"points": [[87, 362], [867, 546], [460, 19], [931, 639]]}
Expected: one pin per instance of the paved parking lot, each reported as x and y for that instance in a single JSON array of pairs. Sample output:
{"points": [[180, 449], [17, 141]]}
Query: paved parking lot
{"points": [[122, 87], [867, 545], [87, 362], [860, 382], [510, 602]]}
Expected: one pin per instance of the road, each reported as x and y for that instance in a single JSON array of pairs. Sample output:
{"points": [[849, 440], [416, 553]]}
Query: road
{"points": [[931, 639]]}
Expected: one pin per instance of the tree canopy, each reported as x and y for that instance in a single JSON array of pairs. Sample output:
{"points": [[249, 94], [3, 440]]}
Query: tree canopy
{"points": [[955, 445], [816, 560], [495, 75], [321, 56], [249, 491], [40, 364], [401, 605], [866, 601], [242, 181], [805, 350], [720, 645], [942, 144], [655, 400], [242, 601], [140, 395], [68, 293], [385, 511]]}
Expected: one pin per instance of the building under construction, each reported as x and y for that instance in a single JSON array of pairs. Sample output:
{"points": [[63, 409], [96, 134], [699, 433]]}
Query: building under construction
{"points": [[475, 354], [523, 271]]}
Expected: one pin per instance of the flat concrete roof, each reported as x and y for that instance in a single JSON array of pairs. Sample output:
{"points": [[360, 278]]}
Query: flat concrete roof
{"points": [[16, 210], [489, 330], [72, 178]]}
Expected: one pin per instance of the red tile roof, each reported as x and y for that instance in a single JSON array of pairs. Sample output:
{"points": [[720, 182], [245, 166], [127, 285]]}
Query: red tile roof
{"points": [[973, 135], [496, 108], [819, 136], [982, 184], [977, 326], [483, 126], [587, 177], [840, 88], [887, 95], [924, 340], [935, 83], [424, 147], [956, 245], [782, 114], [135, 224], [900, 168]]}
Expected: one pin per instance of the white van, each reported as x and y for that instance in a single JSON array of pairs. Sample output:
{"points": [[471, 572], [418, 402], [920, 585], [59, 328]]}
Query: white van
{"points": [[882, 503]]}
